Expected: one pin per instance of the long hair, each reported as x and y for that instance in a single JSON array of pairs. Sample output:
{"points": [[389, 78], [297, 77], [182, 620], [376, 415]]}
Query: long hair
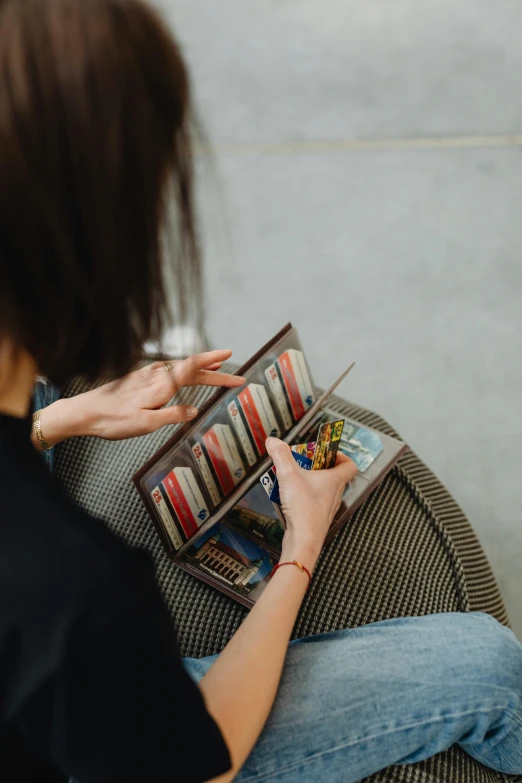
{"points": [[95, 152]]}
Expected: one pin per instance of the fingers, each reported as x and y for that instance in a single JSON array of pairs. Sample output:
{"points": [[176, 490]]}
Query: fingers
{"points": [[202, 369], [176, 414], [281, 456], [345, 467], [210, 360], [214, 378], [201, 361]]}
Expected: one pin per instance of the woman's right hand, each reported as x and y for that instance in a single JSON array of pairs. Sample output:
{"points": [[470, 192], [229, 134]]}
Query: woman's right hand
{"points": [[309, 501]]}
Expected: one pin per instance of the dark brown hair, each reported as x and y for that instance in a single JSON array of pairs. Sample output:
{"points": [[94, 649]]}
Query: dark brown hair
{"points": [[95, 147]]}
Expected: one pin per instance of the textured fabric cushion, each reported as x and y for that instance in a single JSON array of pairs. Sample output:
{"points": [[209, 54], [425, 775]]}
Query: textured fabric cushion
{"points": [[409, 550]]}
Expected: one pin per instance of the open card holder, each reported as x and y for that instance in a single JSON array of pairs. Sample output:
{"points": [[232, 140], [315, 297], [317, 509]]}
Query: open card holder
{"points": [[211, 462]]}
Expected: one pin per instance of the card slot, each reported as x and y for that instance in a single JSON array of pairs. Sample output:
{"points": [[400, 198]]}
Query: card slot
{"points": [[179, 500]]}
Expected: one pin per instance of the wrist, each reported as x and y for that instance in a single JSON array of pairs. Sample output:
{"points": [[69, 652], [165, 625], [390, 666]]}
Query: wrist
{"points": [[62, 420], [293, 564], [306, 553]]}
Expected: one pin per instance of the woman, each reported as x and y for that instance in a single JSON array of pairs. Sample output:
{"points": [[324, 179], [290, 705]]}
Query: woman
{"points": [[94, 144]]}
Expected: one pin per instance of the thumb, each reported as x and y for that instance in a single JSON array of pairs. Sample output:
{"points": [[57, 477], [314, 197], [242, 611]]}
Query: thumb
{"points": [[345, 467], [281, 456], [175, 414]]}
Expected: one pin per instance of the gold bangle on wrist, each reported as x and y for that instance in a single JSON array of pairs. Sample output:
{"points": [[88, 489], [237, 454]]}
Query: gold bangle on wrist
{"points": [[37, 429]]}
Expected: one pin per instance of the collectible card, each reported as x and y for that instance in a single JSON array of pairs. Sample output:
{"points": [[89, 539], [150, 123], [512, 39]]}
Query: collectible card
{"points": [[231, 558], [180, 505], [327, 444], [258, 413], [241, 432], [206, 473], [358, 443], [278, 394], [288, 373], [269, 479], [306, 449], [166, 513], [303, 378], [364, 446], [224, 456], [259, 518]]}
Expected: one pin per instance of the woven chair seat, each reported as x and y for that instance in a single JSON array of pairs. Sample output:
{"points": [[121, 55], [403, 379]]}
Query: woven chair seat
{"points": [[409, 550]]}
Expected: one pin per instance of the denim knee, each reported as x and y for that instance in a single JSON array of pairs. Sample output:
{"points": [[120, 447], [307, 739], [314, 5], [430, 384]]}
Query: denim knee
{"points": [[493, 651]]}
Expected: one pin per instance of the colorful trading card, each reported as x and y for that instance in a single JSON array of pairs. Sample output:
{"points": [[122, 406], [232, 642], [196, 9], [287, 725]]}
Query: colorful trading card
{"points": [[311, 431], [306, 449], [296, 380], [258, 413], [358, 443], [206, 473], [363, 446], [224, 456], [181, 499], [241, 432], [231, 558], [302, 460], [276, 387], [327, 445]]}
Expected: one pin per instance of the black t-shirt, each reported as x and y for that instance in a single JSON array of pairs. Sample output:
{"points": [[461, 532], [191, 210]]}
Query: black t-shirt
{"points": [[91, 681]]}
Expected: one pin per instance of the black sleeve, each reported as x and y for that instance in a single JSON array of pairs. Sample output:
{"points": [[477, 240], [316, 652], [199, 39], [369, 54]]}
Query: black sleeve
{"points": [[122, 707]]}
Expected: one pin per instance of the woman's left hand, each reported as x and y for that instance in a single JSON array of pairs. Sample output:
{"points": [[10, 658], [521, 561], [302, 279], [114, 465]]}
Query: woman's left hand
{"points": [[134, 404]]}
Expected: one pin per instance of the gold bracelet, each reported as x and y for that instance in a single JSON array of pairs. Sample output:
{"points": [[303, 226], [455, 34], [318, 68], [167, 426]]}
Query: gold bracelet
{"points": [[37, 429]]}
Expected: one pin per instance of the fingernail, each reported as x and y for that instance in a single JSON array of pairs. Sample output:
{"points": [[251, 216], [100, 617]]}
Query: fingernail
{"points": [[269, 442], [192, 412]]}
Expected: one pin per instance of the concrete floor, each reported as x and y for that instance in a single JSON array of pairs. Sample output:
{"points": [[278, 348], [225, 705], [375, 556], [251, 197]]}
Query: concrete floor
{"points": [[368, 165]]}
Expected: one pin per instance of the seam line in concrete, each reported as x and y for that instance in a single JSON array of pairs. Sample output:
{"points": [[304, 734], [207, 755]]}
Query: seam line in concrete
{"points": [[371, 145]]}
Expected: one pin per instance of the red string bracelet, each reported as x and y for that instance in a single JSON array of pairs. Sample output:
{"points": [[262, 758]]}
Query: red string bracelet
{"points": [[301, 567]]}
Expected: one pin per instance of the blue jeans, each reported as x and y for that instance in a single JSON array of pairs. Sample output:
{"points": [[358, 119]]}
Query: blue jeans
{"points": [[45, 394], [395, 692]]}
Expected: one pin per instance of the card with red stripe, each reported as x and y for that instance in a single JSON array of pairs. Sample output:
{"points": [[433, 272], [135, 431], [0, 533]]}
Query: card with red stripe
{"points": [[241, 431], [205, 470], [166, 513], [259, 415], [224, 456], [296, 381], [180, 505], [276, 387]]}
